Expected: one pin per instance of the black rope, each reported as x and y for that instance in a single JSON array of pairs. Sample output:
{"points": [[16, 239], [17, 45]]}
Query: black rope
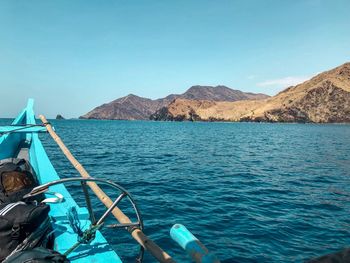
{"points": [[26, 125], [84, 237], [22, 127], [74, 221]]}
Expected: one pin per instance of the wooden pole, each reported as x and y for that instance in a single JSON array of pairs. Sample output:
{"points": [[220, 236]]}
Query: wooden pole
{"points": [[136, 233]]}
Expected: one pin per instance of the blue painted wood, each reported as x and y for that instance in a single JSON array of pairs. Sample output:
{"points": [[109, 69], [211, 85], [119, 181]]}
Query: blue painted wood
{"points": [[10, 142], [99, 250], [194, 248]]}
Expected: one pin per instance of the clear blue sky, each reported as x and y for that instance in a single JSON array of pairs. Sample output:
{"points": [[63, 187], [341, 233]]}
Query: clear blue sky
{"points": [[71, 56]]}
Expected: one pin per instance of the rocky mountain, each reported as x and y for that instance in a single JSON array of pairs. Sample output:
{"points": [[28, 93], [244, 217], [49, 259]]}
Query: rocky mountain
{"points": [[324, 98], [132, 107]]}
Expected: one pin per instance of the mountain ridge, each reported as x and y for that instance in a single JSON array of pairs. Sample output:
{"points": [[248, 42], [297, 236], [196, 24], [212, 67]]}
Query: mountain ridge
{"points": [[133, 107], [324, 98]]}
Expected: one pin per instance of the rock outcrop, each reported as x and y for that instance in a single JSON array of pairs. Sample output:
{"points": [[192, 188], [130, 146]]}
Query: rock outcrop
{"points": [[59, 117], [133, 107], [324, 98]]}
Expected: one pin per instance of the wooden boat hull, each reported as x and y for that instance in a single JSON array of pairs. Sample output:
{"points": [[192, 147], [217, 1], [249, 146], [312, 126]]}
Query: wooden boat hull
{"points": [[25, 142]]}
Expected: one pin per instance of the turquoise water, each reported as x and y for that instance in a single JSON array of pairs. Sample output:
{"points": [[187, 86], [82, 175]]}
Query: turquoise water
{"points": [[250, 192]]}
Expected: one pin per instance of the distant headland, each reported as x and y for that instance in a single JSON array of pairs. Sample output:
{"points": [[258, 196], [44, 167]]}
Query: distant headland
{"points": [[323, 99]]}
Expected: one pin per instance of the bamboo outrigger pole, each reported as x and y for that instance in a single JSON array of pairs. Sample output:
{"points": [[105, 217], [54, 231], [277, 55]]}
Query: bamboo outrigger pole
{"points": [[136, 233]]}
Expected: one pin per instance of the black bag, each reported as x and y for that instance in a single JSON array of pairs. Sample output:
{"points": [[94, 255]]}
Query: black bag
{"points": [[37, 255], [22, 225], [17, 178]]}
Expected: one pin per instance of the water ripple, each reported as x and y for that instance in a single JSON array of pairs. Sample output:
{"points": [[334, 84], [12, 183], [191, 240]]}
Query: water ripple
{"points": [[250, 192]]}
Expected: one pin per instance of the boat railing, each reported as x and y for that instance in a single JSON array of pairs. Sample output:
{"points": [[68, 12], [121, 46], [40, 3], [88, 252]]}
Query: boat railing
{"points": [[89, 234]]}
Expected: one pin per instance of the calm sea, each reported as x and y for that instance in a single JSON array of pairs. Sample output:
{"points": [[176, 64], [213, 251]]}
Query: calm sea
{"points": [[250, 192]]}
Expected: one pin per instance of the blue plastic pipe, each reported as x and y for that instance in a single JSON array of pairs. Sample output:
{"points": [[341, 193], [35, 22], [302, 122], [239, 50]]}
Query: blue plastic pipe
{"points": [[194, 248]]}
